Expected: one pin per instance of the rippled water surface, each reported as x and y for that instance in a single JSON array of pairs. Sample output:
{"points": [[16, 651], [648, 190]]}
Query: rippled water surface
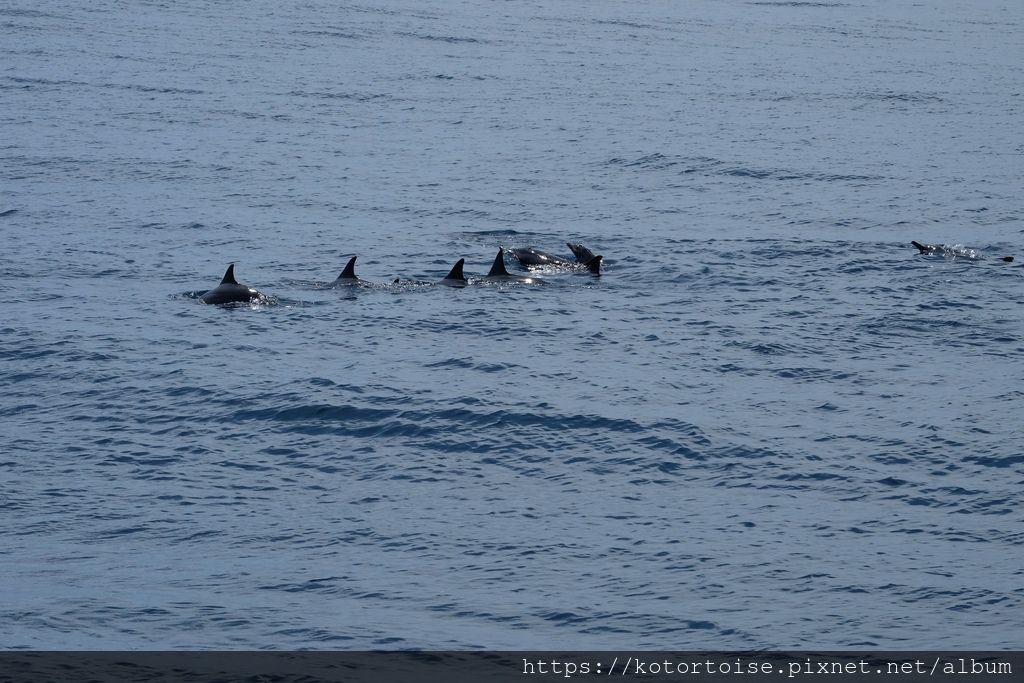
{"points": [[770, 423]]}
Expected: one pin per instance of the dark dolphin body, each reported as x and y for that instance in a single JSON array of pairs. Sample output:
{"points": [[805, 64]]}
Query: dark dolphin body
{"points": [[943, 250], [927, 248], [535, 257], [229, 291], [455, 278], [500, 274], [348, 276], [588, 258], [582, 254]]}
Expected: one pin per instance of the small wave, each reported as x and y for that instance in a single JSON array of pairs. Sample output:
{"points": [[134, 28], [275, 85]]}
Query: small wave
{"points": [[1000, 462], [443, 39], [472, 213], [328, 32], [797, 3], [352, 96], [113, 86], [907, 97], [28, 13], [626, 24], [469, 234], [451, 363], [709, 166]]}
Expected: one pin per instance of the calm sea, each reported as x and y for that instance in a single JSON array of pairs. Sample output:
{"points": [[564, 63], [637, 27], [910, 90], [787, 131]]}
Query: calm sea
{"points": [[769, 424]]}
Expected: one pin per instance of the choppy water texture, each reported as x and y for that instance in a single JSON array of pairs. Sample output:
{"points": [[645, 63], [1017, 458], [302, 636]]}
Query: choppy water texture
{"points": [[771, 423]]}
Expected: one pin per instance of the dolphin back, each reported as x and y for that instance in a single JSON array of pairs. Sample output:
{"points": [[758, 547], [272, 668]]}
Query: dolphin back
{"points": [[229, 291]]}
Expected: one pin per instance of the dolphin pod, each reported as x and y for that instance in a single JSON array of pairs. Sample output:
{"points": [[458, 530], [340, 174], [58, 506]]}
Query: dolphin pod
{"points": [[230, 291]]}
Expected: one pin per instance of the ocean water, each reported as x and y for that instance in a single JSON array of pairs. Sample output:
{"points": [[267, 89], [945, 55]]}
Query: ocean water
{"points": [[769, 424]]}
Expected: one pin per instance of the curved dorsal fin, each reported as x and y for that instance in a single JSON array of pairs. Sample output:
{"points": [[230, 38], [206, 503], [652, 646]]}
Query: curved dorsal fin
{"points": [[456, 271], [229, 276], [350, 270], [499, 264], [922, 248], [594, 265]]}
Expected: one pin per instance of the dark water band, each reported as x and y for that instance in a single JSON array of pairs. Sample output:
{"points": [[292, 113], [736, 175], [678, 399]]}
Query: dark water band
{"points": [[506, 667]]}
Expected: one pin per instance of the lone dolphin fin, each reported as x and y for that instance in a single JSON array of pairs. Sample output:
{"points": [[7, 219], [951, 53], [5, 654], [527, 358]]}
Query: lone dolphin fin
{"points": [[923, 248], [499, 264], [229, 291], [229, 276], [456, 271], [594, 264], [350, 270]]}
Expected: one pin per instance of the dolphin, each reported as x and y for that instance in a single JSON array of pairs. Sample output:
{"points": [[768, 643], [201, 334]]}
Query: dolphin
{"points": [[531, 256], [348, 276], [588, 258], [455, 278], [229, 291], [952, 251], [499, 273], [581, 253], [535, 257]]}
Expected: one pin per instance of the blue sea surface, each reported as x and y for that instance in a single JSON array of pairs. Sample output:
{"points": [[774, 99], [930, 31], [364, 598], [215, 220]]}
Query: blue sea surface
{"points": [[770, 423]]}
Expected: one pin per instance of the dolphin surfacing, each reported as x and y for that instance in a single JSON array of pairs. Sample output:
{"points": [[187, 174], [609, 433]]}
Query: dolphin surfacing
{"points": [[531, 256], [455, 277], [588, 258], [348, 277], [229, 291], [499, 273], [944, 250]]}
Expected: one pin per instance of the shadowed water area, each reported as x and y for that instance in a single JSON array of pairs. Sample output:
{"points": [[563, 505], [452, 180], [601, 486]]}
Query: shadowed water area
{"points": [[770, 423]]}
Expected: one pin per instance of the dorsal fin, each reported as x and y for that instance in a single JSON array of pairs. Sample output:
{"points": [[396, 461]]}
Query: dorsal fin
{"points": [[229, 276], [499, 264], [350, 270], [923, 248], [1007, 259], [594, 265], [456, 271]]}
